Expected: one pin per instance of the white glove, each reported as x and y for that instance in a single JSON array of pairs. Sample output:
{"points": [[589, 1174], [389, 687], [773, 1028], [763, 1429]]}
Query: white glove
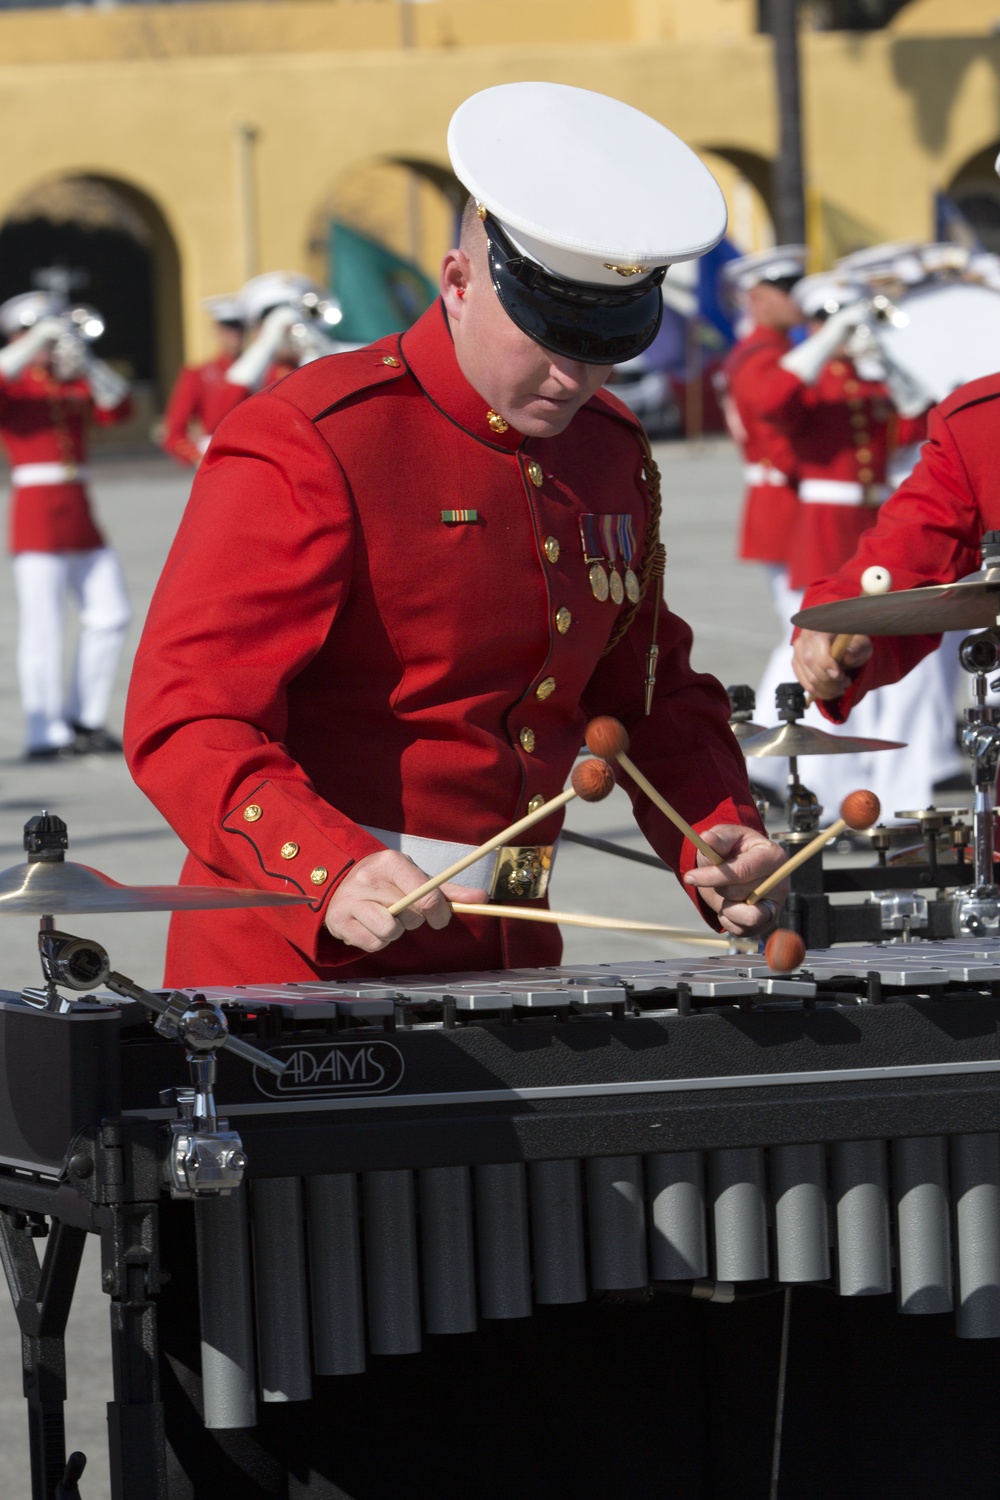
{"points": [[107, 387], [310, 342], [909, 395], [807, 359], [19, 354], [253, 364]]}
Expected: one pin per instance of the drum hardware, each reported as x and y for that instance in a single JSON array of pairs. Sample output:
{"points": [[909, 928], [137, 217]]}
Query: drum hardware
{"points": [[742, 703], [978, 911], [205, 1155]]}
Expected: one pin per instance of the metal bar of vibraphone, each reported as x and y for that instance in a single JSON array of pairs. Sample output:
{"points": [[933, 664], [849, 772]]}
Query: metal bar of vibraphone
{"points": [[975, 1183], [802, 1233], [338, 1317], [739, 1214], [616, 1223], [502, 1240], [391, 1263], [225, 1299], [861, 1198], [678, 1241], [280, 1288], [448, 1257], [923, 1228], [557, 1238]]}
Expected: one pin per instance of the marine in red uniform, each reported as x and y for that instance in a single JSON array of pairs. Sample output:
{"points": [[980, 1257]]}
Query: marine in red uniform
{"points": [[51, 388], [286, 313], [408, 575], [192, 411], [839, 418], [762, 283]]}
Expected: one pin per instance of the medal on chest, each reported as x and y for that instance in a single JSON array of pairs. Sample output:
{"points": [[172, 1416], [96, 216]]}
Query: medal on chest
{"points": [[594, 556]]}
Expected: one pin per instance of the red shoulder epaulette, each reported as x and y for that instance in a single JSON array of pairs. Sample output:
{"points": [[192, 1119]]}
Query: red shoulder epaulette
{"points": [[321, 386], [987, 388]]}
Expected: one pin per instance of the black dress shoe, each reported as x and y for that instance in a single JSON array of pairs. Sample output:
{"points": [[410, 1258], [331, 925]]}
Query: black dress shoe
{"points": [[94, 742]]}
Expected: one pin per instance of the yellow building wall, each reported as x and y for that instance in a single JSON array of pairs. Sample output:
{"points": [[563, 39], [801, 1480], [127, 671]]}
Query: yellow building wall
{"points": [[159, 99]]}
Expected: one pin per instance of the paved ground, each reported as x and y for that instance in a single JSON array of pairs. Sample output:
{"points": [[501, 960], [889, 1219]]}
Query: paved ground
{"points": [[114, 828]]}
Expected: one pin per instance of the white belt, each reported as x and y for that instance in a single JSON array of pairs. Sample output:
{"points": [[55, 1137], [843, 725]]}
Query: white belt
{"points": [[203, 442], [435, 855], [756, 474], [841, 492], [24, 476]]}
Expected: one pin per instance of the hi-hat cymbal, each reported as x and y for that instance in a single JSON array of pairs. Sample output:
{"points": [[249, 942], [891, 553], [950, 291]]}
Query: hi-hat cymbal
{"points": [[50, 886], [802, 739], [972, 604]]}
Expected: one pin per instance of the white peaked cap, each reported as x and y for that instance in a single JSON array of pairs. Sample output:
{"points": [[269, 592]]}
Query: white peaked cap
{"points": [[275, 289], [226, 309], [20, 312], [583, 183], [779, 263], [827, 291]]}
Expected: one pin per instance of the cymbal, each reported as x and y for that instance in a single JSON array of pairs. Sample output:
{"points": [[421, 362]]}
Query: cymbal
{"points": [[802, 739], [743, 729], [971, 604], [50, 886]]}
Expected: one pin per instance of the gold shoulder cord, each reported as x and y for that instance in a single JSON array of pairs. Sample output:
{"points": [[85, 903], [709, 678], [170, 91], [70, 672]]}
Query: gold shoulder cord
{"points": [[651, 569]]}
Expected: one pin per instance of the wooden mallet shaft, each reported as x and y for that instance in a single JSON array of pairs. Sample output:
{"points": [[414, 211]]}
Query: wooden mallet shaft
{"points": [[592, 780], [654, 796], [581, 919], [813, 847], [858, 810]]}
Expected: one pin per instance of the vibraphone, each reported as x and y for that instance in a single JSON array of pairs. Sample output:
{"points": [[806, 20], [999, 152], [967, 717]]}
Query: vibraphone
{"points": [[446, 1152]]}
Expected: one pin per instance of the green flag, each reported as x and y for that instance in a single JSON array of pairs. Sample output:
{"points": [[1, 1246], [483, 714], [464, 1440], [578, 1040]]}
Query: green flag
{"points": [[378, 292]]}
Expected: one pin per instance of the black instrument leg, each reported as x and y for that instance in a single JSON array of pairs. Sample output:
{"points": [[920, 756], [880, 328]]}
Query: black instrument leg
{"points": [[42, 1296], [131, 1276]]}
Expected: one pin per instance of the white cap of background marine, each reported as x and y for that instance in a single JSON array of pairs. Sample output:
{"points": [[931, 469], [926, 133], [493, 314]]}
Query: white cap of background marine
{"points": [[585, 202]]}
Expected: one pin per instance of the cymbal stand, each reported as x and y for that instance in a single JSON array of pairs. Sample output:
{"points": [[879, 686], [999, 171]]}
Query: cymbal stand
{"points": [[205, 1156], [801, 804], [977, 911]]}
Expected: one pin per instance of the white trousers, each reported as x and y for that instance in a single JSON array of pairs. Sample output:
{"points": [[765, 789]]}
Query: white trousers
{"points": [[919, 710], [45, 581]]}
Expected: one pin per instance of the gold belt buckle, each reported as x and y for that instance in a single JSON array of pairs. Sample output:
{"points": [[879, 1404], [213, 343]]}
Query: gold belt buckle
{"points": [[522, 872], [871, 495]]}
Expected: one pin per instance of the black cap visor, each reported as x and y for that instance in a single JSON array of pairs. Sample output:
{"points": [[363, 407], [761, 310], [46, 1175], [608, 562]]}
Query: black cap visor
{"points": [[596, 325]]}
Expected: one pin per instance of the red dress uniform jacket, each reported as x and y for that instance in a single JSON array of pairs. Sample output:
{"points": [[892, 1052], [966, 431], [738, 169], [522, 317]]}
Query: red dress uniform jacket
{"points": [[930, 531], [44, 420], [842, 429], [324, 650], [770, 504], [194, 403]]}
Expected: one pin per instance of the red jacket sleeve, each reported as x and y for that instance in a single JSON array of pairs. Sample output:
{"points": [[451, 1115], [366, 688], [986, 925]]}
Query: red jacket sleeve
{"points": [[207, 709], [182, 409], [928, 532]]}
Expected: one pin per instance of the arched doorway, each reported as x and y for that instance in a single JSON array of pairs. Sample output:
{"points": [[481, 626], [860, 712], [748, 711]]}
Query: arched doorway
{"points": [[975, 191], [115, 237], [745, 180], [395, 217]]}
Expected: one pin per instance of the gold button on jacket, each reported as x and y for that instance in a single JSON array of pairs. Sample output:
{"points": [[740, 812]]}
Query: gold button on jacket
{"points": [[527, 738], [289, 850], [563, 620], [545, 689], [253, 812], [536, 802], [319, 875], [535, 473], [551, 549]]}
